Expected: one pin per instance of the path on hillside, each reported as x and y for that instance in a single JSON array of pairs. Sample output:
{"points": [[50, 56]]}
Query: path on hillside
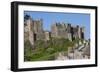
{"points": [[82, 52]]}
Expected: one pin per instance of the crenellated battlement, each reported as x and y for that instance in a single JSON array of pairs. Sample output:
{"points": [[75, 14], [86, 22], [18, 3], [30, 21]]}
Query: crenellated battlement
{"points": [[34, 31]]}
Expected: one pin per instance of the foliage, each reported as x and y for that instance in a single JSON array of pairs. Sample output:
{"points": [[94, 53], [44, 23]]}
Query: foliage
{"points": [[27, 50], [46, 50]]}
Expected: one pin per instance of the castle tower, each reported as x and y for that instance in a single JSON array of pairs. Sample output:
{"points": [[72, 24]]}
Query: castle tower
{"points": [[81, 33], [69, 28], [47, 35], [54, 30], [69, 34], [38, 29], [29, 23], [38, 25], [76, 32]]}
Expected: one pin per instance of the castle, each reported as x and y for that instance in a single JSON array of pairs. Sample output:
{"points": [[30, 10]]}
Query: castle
{"points": [[33, 30]]}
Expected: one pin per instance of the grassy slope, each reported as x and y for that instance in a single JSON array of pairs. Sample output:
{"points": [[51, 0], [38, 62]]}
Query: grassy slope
{"points": [[46, 50]]}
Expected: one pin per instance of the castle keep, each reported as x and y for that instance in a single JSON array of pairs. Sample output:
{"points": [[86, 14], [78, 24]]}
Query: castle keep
{"points": [[33, 30]]}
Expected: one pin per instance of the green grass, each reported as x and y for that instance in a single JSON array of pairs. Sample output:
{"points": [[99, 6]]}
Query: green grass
{"points": [[47, 50]]}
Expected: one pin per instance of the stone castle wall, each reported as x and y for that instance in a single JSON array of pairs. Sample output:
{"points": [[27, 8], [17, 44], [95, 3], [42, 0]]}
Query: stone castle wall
{"points": [[34, 31]]}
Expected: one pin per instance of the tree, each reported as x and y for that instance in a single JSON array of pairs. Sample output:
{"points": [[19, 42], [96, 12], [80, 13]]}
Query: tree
{"points": [[26, 17]]}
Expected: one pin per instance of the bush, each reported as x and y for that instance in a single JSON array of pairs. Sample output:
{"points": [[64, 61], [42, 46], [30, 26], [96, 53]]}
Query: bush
{"points": [[46, 50], [27, 50]]}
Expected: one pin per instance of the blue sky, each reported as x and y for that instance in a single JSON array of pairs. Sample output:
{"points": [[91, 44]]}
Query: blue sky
{"points": [[74, 18]]}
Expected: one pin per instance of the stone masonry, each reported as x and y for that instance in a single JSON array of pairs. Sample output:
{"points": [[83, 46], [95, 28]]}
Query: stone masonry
{"points": [[33, 30]]}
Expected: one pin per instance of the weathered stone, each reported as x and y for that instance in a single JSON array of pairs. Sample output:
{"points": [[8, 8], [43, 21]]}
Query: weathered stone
{"points": [[34, 31]]}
